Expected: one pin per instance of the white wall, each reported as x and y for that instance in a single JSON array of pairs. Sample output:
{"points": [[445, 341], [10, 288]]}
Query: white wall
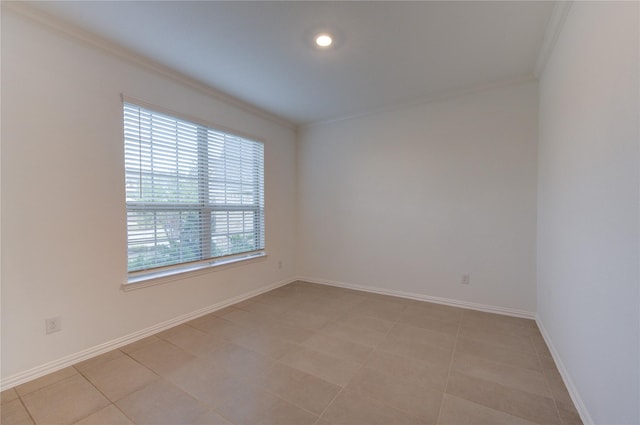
{"points": [[588, 281], [410, 200], [63, 210]]}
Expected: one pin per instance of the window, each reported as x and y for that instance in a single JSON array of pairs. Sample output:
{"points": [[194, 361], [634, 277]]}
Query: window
{"points": [[195, 194]]}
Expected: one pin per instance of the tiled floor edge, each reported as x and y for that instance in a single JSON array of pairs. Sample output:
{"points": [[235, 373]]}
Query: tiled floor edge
{"points": [[573, 392], [421, 297], [71, 359]]}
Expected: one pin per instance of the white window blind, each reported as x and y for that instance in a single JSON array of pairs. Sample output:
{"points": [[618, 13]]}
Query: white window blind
{"points": [[194, 193]]}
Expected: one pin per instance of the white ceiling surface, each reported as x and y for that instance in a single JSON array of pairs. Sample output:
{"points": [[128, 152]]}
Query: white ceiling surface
{"points": [[388, 52]]}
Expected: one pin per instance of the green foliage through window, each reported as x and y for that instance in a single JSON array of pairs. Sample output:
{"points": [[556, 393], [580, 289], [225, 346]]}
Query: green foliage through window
{"points": [[193, 193]]}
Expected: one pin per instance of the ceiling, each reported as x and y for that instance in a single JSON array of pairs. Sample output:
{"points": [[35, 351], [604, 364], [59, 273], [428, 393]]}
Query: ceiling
{"points": [[387, 53]]}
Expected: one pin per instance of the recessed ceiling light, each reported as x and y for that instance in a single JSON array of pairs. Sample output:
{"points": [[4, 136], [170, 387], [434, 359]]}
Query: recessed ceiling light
{"points": [[324, 40]]}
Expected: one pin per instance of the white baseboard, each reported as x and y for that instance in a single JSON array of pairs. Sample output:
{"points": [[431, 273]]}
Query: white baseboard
{"points": [[66, 361], [420, 297], [573, 392], [50, 367]]}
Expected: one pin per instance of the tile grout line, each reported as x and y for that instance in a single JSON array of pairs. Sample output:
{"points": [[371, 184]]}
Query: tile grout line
{"points": [[329, 404], [453, 353], [168, 382], [342, 389], [197, 358], [345, 386], [159, 378], [43, 387], [546, 381], [269, 391], [101, 393], [551, 396], [277, 361], [246, 381], [24, 406], [78, 372], [362, 366], [39, 389], [143, 387], [397, 322]]}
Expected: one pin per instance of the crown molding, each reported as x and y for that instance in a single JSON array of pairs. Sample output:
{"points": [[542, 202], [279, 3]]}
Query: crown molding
{"points": [[551, 34], [30, 12], [431, 98]]}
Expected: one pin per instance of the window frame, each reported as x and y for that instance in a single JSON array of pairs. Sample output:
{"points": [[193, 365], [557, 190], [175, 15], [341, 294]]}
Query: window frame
{"points": [[161, 274]]}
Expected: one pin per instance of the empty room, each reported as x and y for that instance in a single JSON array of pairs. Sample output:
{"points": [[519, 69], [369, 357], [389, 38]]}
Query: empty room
{"points": [[322, 213]]}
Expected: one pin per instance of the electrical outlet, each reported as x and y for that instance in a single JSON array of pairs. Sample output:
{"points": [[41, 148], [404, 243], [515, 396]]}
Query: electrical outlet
{"points": [[280, 264], [466, 279], [53, 325]]}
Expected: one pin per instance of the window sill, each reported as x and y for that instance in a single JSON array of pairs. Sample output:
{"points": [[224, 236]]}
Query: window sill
{"points": [[143, 280]]}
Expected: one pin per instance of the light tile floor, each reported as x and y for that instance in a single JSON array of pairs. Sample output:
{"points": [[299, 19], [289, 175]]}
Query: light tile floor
{"points": [[313, 354]]}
